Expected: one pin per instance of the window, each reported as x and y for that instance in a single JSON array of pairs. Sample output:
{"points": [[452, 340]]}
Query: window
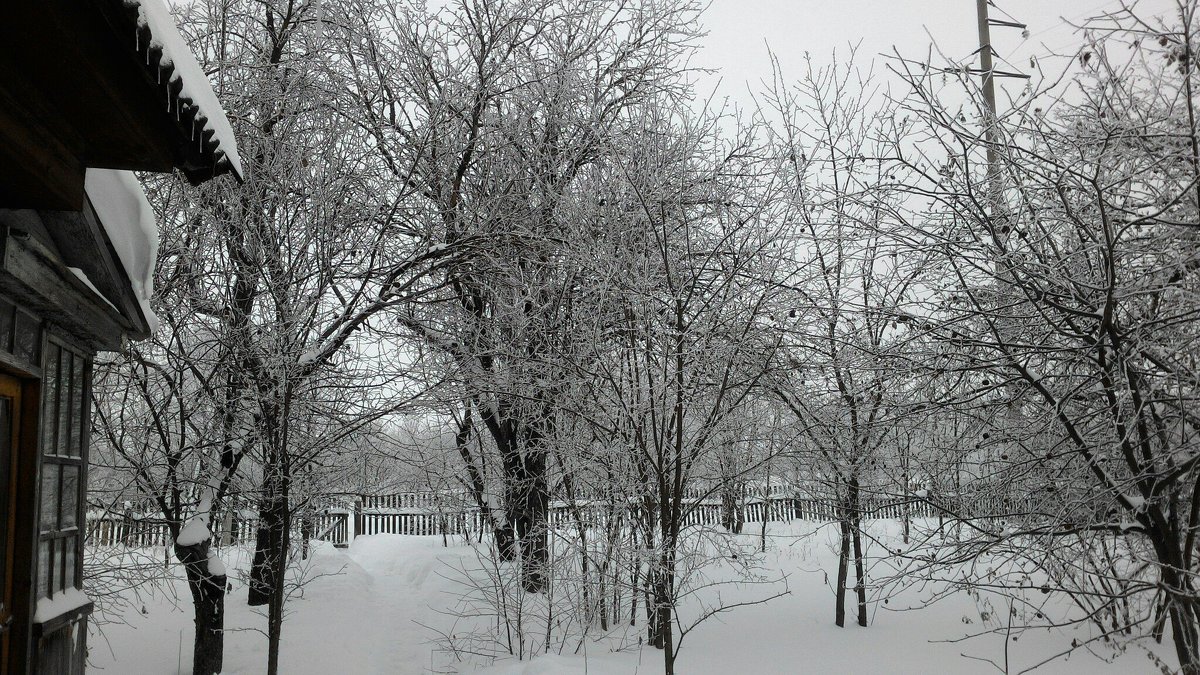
{"points": [[64, 414], [20, 333]]}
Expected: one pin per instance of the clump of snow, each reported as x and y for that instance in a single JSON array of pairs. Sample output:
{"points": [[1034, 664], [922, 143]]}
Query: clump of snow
{"points": [[129, 222], [215, 566], [309, 356], [194, 532], [61, 603], [82, 276], [175, 52]]}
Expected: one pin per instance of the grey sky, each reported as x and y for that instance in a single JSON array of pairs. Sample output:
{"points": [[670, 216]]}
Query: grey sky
{"points": [[740, 30]]}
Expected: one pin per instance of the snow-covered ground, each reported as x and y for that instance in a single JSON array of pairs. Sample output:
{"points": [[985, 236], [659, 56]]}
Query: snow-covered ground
{"points": [[380, 606]]}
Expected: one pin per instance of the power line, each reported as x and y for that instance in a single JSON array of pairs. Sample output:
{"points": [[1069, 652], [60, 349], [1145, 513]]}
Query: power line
{"points": [[1062, 20]]}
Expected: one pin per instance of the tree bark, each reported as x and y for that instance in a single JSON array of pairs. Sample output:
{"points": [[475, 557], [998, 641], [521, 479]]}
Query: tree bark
{"points": [[839, 611], [860, 577], [208, 602], [1184, 631], [532, 527], [731, 517], [663, 615], [268, 542], [501, 531], [275, 608]]}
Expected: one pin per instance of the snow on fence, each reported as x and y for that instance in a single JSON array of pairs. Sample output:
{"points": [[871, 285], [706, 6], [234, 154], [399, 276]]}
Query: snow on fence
{"points": [[341, 518]]}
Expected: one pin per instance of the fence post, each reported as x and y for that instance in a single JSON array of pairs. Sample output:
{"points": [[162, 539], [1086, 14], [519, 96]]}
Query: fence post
{"points": [[127, 526], [358, 528]]}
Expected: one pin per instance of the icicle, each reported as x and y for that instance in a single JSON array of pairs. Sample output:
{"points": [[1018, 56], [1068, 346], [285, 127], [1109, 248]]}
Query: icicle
{"points": [[137, 39]]}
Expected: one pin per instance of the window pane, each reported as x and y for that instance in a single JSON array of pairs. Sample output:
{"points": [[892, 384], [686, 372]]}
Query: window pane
{"points": [[70, 496], [49, 519], [6, 325], [49, 398], [63, 412], [80, 414], [44, 568], [67, 546], [27, 339]]}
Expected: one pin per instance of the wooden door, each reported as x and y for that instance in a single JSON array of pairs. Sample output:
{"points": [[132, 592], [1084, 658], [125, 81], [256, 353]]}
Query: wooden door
{"points": [[10, 399]]}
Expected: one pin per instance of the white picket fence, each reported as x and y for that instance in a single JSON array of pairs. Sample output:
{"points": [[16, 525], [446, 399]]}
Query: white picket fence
{"points": [[428, 513]]}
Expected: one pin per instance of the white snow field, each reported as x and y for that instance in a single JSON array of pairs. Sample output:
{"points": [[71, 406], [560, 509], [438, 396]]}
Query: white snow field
{"points": [[383, 605]]}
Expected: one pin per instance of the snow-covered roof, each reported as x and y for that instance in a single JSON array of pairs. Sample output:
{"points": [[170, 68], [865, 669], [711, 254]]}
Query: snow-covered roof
{"points": [[154, 16], [129, 222]]}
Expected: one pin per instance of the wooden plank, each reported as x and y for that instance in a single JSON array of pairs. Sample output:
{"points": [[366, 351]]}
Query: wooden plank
{"points": [[82, 243], [72, 57], [26, 518], [193, 148], [41, 158], [46, 286]]}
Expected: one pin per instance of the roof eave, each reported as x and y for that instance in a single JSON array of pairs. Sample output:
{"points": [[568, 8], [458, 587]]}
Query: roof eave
{"points": [[198, 153]]}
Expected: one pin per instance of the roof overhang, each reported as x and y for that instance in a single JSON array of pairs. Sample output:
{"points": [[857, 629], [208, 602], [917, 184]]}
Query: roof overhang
{"points": [[100, 83]]}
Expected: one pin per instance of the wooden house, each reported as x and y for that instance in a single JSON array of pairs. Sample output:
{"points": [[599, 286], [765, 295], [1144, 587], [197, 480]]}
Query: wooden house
{"points": [[89, 91]]}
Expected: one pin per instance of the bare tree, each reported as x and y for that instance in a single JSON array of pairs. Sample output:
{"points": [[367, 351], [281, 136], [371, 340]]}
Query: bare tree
{"points": [[490, 111], [1066, 317], [844, 376], [694, 275]]}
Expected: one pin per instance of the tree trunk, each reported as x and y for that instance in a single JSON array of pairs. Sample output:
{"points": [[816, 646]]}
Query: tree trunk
{"points": [[1184, 631], [272, 512], [860, 577], [766, 513], [663, 617], [602, 597], [634, 575], [275, 609], [502, 532], [729, 508], [531, 522], [208, 601], [226, 534], [306, 532], [535, 551], [839, 611]]}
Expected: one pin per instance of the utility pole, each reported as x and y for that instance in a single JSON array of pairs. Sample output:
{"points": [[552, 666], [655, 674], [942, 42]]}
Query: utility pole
{"points": [[996, 206], [988, 70], [989, 87]]}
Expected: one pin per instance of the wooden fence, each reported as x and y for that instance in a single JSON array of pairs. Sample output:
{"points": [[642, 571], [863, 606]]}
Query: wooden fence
{"points": [[136, 531], [343, 518]]}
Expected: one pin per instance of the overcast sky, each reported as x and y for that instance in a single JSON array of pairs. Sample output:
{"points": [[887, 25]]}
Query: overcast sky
{"points": [[741, 30]]}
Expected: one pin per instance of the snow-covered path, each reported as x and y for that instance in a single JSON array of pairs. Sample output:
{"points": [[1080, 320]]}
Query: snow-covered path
{"points": [[356, 613]]}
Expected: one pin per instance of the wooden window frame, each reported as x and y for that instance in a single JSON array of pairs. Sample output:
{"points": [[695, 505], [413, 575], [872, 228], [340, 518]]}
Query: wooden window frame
{"points": [[53, 427]]}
